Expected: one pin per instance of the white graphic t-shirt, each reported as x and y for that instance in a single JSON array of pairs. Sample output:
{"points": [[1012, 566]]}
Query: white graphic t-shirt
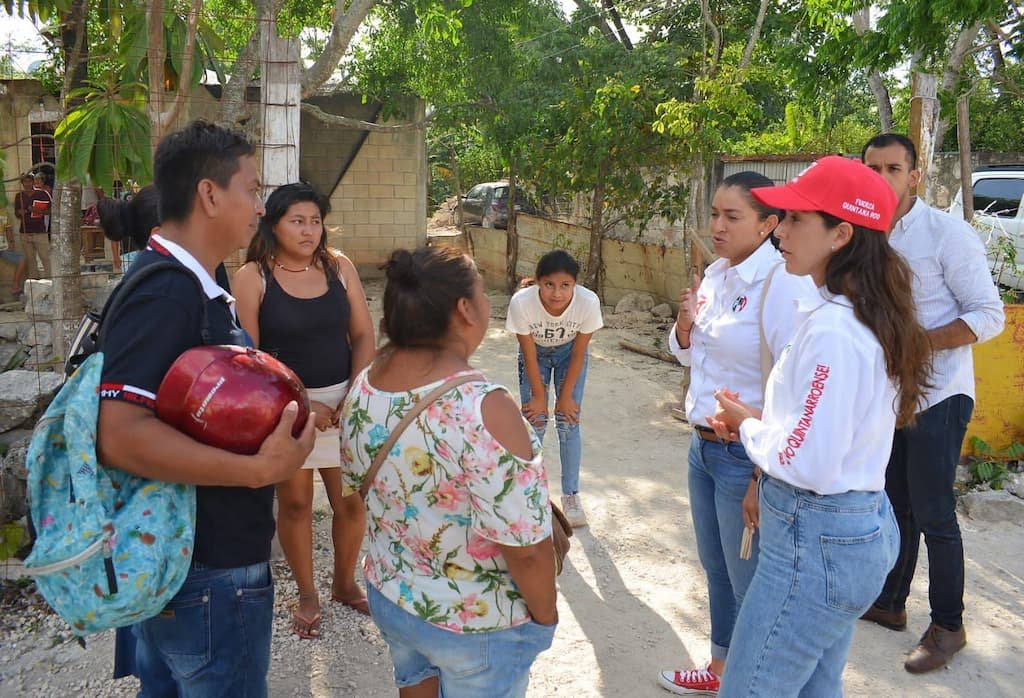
{"points": [[526, 315]]}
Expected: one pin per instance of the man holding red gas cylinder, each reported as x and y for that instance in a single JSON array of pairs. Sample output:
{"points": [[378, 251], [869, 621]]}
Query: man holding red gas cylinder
{"points": [[213, 638]]}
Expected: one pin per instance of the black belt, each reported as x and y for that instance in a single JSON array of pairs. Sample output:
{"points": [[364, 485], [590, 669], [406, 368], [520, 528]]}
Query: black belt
{"points": [[708, 434]]}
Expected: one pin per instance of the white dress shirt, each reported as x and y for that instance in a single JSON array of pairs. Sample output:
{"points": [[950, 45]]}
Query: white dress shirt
{"points": [[830, 407], [951, 280], [725, 342]]}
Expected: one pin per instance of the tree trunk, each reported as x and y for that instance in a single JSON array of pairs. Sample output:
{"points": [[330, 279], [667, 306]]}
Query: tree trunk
{"points": [[696, 213], [65, 243], [963, 136], [279, 107], [882, 99], [923, 115], [961, 50], [459, 222], [511, 243], [593, 276], [613, 12], [65, 235], [861, 25]]}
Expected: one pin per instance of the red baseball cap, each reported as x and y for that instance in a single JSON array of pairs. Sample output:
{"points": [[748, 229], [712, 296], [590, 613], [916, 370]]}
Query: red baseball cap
{"points": [[844, 188]]}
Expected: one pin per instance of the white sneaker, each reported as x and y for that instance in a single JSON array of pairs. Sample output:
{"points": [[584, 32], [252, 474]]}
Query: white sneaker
{"points": [[573, 510]]}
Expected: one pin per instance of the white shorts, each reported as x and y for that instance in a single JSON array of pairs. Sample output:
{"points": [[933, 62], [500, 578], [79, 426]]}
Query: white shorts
{"points": [[326, 451]]}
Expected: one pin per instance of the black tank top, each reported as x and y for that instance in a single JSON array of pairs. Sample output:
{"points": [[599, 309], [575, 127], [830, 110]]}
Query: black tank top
{"points": [[308, 335]]}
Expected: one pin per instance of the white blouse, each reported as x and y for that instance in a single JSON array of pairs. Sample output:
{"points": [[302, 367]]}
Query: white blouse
{"points": [[725, 341], [830, 407]]}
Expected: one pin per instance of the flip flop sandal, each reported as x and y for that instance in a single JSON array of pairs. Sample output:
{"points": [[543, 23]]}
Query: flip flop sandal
{"points": [[306, 628], [360, 605]]}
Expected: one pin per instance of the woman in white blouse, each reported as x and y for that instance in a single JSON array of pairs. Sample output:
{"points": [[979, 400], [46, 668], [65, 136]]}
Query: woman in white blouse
{"points": [[853, 371], [745, 299]]}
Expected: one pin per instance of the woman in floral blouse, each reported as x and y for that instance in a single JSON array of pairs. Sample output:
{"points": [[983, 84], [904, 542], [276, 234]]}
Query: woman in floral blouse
{"points": [[460, 571]]}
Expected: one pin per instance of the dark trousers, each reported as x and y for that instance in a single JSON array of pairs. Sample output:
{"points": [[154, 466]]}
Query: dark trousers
{"points": [[919, 482]]}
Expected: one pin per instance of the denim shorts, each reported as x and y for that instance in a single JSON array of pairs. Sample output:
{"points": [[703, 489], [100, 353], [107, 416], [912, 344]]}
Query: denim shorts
{"points": [[470, 665]]}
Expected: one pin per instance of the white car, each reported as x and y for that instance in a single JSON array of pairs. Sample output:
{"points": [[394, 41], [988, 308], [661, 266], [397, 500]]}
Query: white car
{"points": [[999, 219]]}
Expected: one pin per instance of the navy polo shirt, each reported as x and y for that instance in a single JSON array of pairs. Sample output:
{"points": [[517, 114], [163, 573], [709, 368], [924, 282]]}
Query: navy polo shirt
{"points": [[234, 525]]}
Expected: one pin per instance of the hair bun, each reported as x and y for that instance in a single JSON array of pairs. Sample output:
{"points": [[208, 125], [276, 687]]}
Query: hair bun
{"points": [[401, 269]]}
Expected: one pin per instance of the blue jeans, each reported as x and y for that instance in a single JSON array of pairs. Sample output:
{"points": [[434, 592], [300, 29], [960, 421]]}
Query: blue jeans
{"points": [[718, 478], [470, 665], [919, 482], [553, 362], [823, 560], [212, 639]]}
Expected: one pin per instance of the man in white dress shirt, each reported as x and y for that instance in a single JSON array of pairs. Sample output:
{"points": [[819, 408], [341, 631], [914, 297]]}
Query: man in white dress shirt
{"points": [[959, 305]]}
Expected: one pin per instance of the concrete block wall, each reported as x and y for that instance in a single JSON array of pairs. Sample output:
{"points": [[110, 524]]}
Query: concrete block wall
{"points": [[380, 203], [489, 253], [628, 266]]}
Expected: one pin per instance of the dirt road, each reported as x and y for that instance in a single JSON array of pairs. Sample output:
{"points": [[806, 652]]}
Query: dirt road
{"points": [[632, 597]]}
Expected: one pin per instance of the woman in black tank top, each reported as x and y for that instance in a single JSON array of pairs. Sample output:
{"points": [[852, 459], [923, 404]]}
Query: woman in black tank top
{"points": [[303, 303]]}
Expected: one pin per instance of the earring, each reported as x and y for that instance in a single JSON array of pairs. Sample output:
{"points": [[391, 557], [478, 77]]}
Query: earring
{"points": [[833, 248]]}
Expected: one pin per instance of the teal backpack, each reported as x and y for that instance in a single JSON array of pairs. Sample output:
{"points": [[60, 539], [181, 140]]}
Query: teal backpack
{"points": [[111, 548]]}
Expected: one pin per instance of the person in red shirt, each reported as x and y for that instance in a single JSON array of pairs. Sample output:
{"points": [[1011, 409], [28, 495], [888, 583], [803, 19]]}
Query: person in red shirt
{"points": [[20, 202], [33, 209]]}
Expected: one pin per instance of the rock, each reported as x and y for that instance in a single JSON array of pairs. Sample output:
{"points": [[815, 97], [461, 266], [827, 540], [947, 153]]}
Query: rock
{"points": [[13, 491], [627, 319], [22, 393], [963, 474], [13, 439], [40, 358], [634, 301], [663, 310], [38, 305], [96, 297], [1014, 484], [34, 334], [8, 330], [7, 350], [996, 506]]}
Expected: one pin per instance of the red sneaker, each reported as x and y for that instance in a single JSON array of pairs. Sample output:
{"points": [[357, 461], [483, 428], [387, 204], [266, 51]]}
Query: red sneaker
{"points": [[692, 682]]}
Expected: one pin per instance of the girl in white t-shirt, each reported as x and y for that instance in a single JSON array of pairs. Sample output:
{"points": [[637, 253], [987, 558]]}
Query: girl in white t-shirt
{"points": [[554, 320]]}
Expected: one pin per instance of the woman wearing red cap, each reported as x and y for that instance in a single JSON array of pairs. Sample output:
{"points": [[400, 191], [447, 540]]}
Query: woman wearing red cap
{"points": [[853, 371]]}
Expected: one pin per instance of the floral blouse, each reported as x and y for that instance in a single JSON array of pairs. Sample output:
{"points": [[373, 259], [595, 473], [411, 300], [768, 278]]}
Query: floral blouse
{"points": [[445, 497]]}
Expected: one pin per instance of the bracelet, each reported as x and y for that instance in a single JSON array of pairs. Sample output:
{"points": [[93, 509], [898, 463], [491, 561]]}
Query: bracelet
{"points": [[755, 474]]}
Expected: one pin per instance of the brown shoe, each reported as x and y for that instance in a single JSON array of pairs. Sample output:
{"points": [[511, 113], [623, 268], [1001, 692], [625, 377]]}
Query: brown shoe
{"points": [[936, 648], [893, 620]]}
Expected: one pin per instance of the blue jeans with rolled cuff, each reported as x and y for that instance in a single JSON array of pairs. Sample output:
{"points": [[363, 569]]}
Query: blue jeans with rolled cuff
{"points": [[823, 560], [212, 639], [718, 477], [553, 363]]}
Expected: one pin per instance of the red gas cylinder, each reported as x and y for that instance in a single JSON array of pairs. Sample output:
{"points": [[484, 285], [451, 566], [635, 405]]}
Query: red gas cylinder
{"points": [[229, 397]]}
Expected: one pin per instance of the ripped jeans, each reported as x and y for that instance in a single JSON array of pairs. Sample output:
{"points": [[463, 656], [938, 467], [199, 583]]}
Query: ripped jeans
{"points": [[553, 363]]}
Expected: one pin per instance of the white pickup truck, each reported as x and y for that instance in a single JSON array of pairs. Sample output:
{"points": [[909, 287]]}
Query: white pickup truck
{"points": [[999, 219]]}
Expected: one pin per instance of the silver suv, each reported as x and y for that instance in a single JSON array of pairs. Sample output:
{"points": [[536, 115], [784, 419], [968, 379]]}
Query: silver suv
{"points": [[999, 219]]}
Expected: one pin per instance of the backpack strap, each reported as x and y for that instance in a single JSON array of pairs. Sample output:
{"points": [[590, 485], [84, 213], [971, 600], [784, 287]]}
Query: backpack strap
{"points": [[766, 356], [424, 402], [125, 289]]}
